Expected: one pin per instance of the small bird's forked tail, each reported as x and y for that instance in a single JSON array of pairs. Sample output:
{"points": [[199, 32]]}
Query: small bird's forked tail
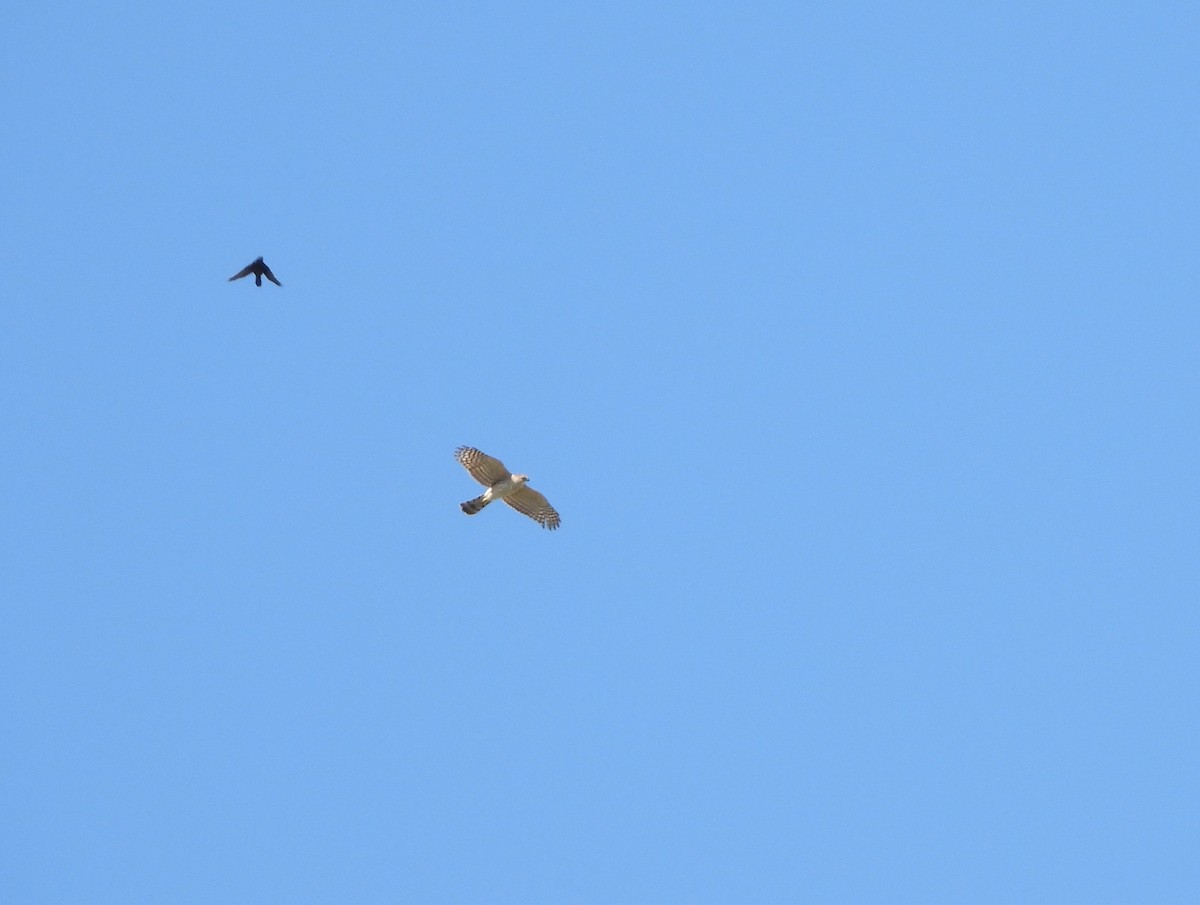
{"points": [[470, 507]]}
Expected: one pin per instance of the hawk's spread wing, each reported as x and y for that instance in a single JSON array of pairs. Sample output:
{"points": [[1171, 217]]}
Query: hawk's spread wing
{"points": [[528, 501], [270, 276], [482, 467], [244, 272]]}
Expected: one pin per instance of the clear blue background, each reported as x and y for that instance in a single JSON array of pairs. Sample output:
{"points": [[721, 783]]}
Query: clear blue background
{"points": [[855, 342]]}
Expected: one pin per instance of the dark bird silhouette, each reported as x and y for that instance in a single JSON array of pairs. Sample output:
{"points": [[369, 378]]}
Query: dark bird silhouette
{"points": [[259, 269]]}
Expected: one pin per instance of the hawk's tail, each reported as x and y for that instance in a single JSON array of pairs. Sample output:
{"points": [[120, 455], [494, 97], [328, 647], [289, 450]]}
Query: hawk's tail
{"points": [[470, 507]]}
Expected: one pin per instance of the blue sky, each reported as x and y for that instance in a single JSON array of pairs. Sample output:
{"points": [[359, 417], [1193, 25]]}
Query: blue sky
{"points": [[856, 344]]}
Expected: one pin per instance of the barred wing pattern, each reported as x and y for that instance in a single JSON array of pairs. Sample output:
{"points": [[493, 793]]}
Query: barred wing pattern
{"points": [[482, 467], [528, 501], [502, 485]]}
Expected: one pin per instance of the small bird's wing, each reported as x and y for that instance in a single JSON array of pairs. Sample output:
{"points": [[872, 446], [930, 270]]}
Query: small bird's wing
{"points": [[270, 276], [528, 501], [482, 467], [244, 272]]}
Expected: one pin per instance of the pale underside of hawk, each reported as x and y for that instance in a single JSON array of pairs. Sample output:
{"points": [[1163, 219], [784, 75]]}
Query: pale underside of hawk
{"points": [[502, 484]]}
